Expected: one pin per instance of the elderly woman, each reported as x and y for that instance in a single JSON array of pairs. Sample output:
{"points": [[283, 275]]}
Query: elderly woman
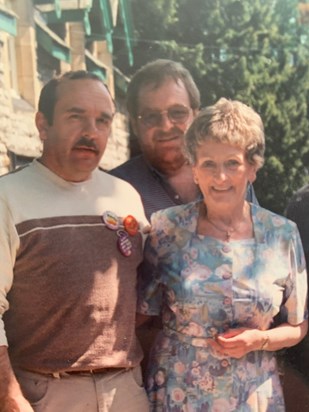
{"points": [[228, 278]]}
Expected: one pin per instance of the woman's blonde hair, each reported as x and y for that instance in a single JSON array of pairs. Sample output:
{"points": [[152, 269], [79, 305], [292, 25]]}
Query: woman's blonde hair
{"points": [[228, 121]]}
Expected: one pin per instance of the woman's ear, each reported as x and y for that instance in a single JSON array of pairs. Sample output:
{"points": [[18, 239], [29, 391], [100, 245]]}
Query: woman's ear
{"points": [[252, 174], [195, 178], [42, 125]]}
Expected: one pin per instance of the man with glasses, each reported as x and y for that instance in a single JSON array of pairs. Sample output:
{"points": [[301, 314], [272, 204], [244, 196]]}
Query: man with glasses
{"points": [[162, 100]]}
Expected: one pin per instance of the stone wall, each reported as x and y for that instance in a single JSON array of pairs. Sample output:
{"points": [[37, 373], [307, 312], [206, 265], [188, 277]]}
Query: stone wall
{"points": [[117, 149], [17, 130], [5, 116], [23, 137]]}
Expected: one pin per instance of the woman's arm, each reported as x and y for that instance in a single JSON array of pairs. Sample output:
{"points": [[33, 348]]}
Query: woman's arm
{"points": [[238, 342]]}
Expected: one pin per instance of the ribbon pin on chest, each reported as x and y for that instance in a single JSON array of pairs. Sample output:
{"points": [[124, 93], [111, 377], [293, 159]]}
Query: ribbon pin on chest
{"points": [[130, 225]]}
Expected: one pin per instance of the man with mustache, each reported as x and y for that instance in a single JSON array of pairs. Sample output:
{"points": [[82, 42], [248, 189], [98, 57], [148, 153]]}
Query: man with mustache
{"points": [[70, 242], [162, 101]]}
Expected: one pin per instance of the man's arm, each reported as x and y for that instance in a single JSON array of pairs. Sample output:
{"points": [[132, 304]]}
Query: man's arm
{"points": [[11, 397]]}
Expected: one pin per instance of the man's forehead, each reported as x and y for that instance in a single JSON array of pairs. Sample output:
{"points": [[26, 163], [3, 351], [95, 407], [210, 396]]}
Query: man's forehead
{"points": [[69, 91], [69, 86], [152, 86], [168, 93]]}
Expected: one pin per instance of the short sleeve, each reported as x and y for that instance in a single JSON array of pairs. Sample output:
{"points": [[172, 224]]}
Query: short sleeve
{"points": [[297, 210], [296, 302]]}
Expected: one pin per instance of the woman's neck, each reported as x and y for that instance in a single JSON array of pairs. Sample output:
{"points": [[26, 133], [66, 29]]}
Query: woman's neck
{"points": [[228, 216], [234, 224]]}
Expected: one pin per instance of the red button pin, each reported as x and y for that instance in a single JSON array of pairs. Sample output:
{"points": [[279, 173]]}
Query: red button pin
{"points": [[131, 225]]}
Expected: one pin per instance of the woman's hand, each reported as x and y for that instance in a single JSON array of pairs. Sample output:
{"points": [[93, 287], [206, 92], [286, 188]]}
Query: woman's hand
{"points": [[238, 342]]}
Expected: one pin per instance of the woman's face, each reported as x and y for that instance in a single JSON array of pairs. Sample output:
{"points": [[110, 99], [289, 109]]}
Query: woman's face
{"points": [[222, 173]]}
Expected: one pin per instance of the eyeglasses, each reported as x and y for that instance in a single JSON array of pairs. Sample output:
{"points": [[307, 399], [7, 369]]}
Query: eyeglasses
{"points": [[175, 114]]}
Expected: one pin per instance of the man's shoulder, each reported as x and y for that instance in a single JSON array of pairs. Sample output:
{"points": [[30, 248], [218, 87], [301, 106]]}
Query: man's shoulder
{"points": [[132, 167], [108, 180], [272, 221], [14, 176], [121, 195], [122, 190], [298, 205], [177, 214], [137, 172], [302, 195]]}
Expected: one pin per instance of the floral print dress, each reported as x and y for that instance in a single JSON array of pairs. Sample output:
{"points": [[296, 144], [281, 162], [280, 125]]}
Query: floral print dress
{"points": [[202, 286]]}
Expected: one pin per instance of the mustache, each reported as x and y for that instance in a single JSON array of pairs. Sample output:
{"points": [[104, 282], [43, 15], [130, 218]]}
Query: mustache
{"points": [[84, 141]]}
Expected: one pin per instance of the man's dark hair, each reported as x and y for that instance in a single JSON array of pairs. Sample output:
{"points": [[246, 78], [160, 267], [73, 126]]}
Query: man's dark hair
{"points": [[156, 72], [48, 96]]}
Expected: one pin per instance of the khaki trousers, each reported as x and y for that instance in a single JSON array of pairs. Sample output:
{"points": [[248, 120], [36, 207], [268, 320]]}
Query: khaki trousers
{"points": [[112, 391]]}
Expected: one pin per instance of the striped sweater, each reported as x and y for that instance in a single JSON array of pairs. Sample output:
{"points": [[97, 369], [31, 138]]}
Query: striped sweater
{"points": [[67, 294]]}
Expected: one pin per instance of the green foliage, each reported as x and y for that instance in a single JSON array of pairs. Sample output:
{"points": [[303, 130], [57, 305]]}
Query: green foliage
{"points": [[253, 51]]}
